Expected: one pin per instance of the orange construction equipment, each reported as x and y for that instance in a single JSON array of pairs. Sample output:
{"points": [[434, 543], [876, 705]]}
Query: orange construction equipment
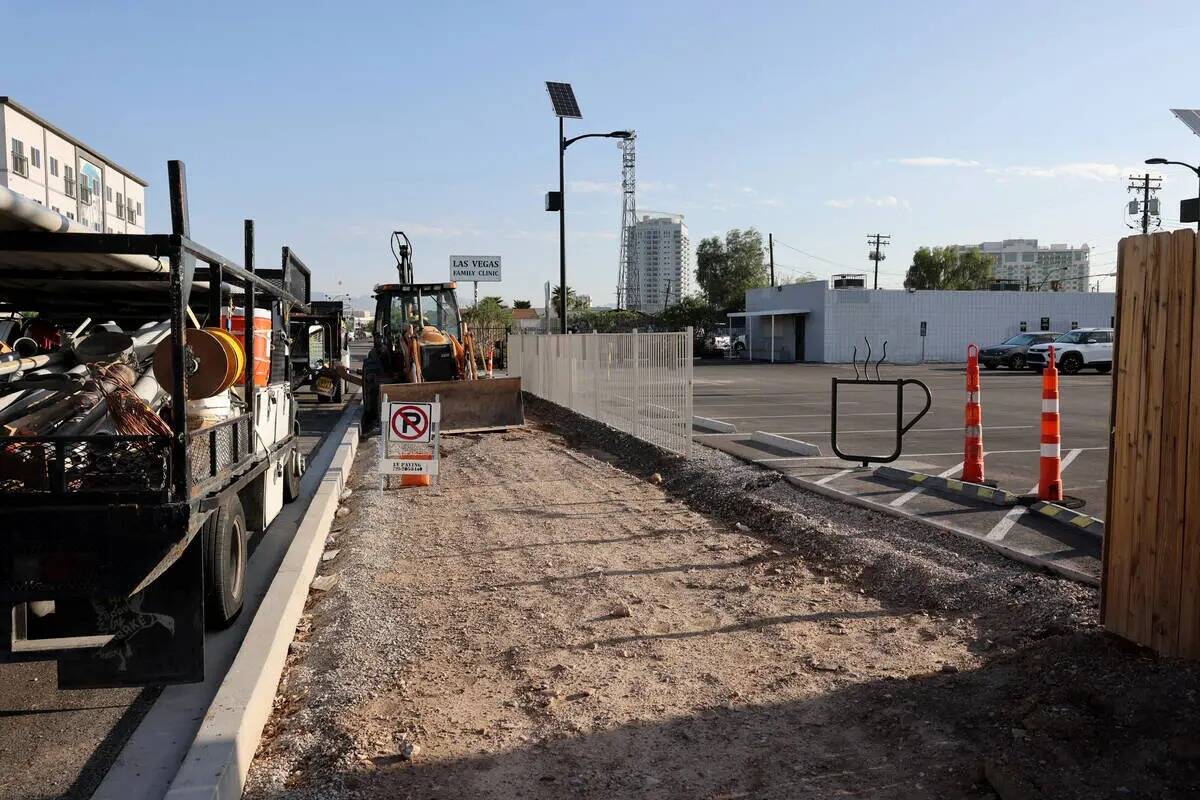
{"points": [[973, 448], [1050, 481]]}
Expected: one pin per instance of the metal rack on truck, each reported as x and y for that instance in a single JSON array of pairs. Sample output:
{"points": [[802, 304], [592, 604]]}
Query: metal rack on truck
{"points": [[115, 549], [320, 345]]}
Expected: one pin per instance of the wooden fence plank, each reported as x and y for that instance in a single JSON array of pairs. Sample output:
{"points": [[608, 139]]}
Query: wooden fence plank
{"points": [[1189, 594], [1171, 491], [1149, 434], [1132, 259]]}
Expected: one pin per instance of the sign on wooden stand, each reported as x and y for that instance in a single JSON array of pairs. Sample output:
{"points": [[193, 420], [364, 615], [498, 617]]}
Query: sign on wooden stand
{"points": [[411, 439]]}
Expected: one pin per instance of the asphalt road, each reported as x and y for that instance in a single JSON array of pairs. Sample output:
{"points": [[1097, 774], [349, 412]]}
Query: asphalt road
{"points": [[795, 400], [60, 744]]}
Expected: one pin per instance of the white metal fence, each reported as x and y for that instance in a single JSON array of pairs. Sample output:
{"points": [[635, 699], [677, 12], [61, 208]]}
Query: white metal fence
{"points": [[640, 383]]}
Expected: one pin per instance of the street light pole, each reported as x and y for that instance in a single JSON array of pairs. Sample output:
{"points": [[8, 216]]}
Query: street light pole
{"points": [[562, 231]]}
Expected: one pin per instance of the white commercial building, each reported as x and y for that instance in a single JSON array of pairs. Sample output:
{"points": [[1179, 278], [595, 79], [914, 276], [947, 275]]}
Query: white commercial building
{"points": [[813, 322], [44, 164], [663, 259], [1037, 268]]}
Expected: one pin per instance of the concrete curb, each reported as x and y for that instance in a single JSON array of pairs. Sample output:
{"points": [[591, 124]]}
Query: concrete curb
{"points": [[975, 491], [784, 443], [1008, 552], [1079, 522], [713, 425], [218, 761]]}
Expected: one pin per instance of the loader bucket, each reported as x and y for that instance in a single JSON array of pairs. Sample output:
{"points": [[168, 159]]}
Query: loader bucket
{"points": [[491, 404]]}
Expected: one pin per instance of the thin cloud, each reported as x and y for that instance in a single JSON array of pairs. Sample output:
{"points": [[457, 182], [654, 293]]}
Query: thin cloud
{"points": [[886, 201], [1091, 171], [596, 187], [936, 161], [839, 203]]}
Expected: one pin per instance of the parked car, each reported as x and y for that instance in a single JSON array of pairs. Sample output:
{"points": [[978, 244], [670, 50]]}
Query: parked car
{"points": [[1011, 352], [1079, 349]]}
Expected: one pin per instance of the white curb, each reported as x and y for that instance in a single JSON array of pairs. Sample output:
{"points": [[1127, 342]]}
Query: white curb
{"points": [[713, 425], [219, 759], [784, 443]]}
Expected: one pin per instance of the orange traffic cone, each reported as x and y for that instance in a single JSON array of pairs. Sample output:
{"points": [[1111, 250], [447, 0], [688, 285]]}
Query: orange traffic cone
{"points": [[973, 446], [1050, 480], [491, 352]]}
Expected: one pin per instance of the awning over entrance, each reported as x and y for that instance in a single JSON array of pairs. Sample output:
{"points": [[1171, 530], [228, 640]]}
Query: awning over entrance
{"points": [[772, 313]]}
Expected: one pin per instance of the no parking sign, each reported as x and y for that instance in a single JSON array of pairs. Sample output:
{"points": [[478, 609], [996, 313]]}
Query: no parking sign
{"points": [[406, 427]]}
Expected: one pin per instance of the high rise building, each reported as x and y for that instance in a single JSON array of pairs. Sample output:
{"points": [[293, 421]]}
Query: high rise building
{"points": [[1034, 267], [49, 166], [664, 262]]}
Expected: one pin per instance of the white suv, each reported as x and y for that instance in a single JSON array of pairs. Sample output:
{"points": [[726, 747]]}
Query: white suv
{"points": [[1082, 347]]}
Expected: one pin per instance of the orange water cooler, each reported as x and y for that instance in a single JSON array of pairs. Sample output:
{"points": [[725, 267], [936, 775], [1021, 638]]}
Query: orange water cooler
{"points": [[261, 362]]}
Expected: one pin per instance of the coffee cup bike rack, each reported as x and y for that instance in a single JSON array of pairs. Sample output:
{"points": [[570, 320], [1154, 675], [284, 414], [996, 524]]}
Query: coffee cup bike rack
{"points": [[901, 426]]}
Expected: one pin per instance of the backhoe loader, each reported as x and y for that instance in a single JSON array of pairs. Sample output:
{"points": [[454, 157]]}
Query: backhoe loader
{"points": [[422, 349]]}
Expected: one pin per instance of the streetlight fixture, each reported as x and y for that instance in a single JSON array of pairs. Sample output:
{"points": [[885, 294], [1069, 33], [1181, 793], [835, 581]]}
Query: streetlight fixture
{"points": [[563, 98], [1196, 170]]}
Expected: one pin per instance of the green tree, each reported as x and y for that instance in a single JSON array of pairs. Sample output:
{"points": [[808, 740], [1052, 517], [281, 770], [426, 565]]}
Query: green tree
{"points": [[490, 313], [522, 304], [726, 269], [692, 311], [574, 301], [948, 268]]}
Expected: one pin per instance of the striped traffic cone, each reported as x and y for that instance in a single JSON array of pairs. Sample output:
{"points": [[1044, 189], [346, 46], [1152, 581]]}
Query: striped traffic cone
{"points": [[1050, 480], [491, 353], [973, 448]]}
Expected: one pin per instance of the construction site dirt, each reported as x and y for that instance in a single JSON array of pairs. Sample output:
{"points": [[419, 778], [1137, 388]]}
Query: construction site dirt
{"points": [[579, 615]]}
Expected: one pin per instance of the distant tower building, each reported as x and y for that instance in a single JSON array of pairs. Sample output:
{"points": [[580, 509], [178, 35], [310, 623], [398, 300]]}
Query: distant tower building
{"points": [[664, 263], [1037, 267]]}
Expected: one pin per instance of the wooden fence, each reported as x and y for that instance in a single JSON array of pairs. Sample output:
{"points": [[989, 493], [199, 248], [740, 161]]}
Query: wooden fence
{"points": [[1151, 588]]}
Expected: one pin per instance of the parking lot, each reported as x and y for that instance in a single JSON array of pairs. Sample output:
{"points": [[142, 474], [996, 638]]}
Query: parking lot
{"points": [[794, 400]]}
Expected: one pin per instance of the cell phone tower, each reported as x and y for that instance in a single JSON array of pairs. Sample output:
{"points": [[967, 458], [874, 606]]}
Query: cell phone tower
{"points": [[628, 280]]}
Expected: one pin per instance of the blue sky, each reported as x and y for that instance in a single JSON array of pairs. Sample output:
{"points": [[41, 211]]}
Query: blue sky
{"points": [[333, 124]]}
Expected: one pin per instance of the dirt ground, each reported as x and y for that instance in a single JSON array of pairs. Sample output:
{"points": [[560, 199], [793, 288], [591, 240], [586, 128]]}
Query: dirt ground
{"points": [[553, 626]]}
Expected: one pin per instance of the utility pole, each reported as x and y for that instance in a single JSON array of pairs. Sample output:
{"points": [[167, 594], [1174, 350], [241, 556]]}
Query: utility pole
{"points": [[1146, 185], [771, 248], [880, 240]]}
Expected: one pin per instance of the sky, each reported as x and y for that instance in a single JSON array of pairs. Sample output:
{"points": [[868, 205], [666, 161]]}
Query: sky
{"points": [[332, 125]]}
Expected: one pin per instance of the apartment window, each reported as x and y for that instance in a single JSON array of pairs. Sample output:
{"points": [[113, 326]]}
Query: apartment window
{"points": [[139, 207], [132, 214], [69, 182], [108, 230], [57, 210], [108, 194], [120, 205], [35, 157], [20, 164], [96, 226], [54, 166]]}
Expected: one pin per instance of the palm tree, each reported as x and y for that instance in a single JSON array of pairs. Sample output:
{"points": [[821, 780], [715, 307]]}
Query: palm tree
{"points": [[556, 295]]}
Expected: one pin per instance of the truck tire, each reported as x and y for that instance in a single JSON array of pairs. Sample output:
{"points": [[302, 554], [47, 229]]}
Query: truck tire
{"points": [[224, 544], [293, 471]]}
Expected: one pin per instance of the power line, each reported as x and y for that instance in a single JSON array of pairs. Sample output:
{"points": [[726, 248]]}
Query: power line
{"points": [[813, 255]]}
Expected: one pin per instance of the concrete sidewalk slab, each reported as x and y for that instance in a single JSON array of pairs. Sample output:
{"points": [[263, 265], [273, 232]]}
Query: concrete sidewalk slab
{"points": [[219, 758]]}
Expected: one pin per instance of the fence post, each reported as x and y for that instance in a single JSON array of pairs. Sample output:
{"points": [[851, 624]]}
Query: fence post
{"points": [[637, 381]]}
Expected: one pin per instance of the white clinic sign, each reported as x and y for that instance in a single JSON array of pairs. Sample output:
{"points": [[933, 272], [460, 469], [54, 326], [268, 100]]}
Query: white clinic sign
{"points": [[474, 268]]}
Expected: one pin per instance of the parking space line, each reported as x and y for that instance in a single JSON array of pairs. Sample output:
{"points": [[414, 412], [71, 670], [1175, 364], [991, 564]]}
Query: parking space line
{"points": [[1001, 529], [914, 430], [834, 476], [909, 495], [905, 456], [797, 416]]}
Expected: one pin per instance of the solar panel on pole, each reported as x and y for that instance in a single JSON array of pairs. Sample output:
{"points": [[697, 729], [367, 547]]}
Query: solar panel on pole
{"points": [[1189, 117], [563, 98]]}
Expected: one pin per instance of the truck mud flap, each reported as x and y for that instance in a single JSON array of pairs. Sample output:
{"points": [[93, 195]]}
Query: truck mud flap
{"points": [[158, 633], [482, 405]]}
